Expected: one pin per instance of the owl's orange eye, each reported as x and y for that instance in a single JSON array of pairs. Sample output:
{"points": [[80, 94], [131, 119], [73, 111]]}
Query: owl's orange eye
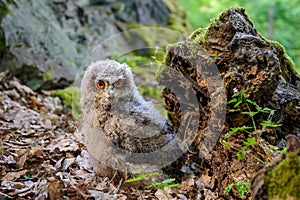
{"points": [[100, 84], [118, 84]]}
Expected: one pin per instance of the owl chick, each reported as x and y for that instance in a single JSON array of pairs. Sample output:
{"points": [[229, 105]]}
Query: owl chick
{"points": [[117, 119]]}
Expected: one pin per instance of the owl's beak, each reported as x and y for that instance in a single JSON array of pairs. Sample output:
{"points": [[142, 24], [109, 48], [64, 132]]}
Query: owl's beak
{"points": [[111, 94]]}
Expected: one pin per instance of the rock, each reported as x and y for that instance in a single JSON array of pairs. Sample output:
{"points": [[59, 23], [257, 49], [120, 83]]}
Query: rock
{"points": [[44, 42], [83, 3], [150, 12], [38, 51]]}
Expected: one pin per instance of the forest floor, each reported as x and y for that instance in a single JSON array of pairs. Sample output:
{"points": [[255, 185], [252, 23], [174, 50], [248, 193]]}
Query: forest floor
{"points": [[42, 156], [41, 153]]}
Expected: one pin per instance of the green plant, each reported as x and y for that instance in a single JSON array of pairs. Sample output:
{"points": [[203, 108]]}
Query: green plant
{"points": [[240, 103], [131, 60], [243, 187], [242, 152], [253, 109], [27, 176], [167, 183], [238, 129]]}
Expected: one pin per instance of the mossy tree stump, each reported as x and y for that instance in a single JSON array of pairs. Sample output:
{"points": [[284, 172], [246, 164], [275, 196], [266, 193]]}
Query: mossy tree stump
{"points": [[259, 69]]}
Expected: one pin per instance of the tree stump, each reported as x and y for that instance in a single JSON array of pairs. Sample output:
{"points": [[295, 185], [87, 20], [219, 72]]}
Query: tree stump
{"points": [[251, 65]]}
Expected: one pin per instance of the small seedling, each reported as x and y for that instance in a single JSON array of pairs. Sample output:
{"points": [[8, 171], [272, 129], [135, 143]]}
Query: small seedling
{"points": [[242, 152], [27, 176], [253, 109], [238, 99], [238, 129], [167, 183], [243, 187]]}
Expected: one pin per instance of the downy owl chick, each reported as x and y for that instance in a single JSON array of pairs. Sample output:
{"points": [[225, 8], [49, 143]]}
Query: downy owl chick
{"points": [[118, 124]]}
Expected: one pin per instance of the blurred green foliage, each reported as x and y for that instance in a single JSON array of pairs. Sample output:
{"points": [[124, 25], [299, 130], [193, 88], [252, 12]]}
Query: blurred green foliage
{"points": [[144, 68], [286, 26], [70, 97]]}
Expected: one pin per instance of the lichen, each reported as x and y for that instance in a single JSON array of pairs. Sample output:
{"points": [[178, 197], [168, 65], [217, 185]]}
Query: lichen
{"points": [[284, 179]]}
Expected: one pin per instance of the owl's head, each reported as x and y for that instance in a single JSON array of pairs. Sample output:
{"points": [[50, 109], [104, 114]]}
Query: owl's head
{"points": [[108, 80]]}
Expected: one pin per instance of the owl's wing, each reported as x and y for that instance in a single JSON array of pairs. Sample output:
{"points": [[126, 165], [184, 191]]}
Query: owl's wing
{"points": [[145, 135], [148, 124]]}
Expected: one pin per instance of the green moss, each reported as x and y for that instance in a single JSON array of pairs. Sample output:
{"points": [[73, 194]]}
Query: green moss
{"points": [[284, 179], [199, 35], [47, 75], [154, 93], [65, 95], [287, 64], [3, 9], [70, 97]]}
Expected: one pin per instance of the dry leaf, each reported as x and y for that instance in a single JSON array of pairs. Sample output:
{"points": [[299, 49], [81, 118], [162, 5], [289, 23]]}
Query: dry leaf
{"points": [[15, 175], [22, 160], [23, 89], [67, 163], [54, 188], [64, 145]]}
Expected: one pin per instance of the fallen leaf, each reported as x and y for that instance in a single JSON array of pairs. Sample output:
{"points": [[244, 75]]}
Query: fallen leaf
{"points": [[23, 89], [67, 163], [15, 175], [22, 160], [54, 188], [63, 145], [8, 160], [162, 196], [58, 164]]}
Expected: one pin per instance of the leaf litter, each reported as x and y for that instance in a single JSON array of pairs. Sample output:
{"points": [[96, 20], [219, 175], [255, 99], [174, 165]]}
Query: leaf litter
{"points": [[42, 156]]}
